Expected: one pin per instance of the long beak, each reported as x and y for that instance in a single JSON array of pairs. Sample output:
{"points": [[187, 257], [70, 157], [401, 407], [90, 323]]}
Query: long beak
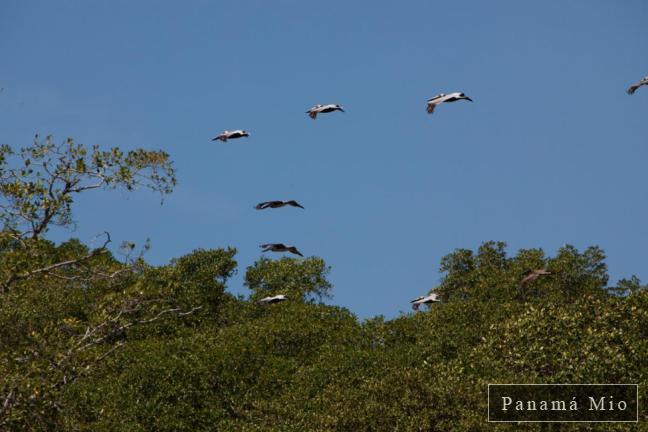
{"points": [[341, 109], [467, 98]]}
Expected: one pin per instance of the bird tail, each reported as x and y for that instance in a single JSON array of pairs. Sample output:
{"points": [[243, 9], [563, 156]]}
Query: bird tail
{"points": [[632, 89], [312, 114], [430, 108]]}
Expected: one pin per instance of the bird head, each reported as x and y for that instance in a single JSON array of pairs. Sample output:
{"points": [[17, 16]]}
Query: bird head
{"points": [[465, 97], [295, 204], [339, 107], [294, 250]]}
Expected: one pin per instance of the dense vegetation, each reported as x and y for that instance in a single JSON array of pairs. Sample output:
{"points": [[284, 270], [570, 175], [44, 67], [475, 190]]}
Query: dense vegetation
{"points": [[92, 341]]}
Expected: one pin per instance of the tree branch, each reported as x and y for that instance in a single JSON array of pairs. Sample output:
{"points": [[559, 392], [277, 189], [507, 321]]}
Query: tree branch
{"points": [[16, 277]]}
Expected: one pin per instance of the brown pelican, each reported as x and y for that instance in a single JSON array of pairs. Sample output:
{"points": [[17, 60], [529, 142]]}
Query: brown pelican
{"points": [[642, 82], [231, 134], [280, 247], [531, 275], [274, 299], [427, 300], [441, 97], [317, 109], [277, 204]]}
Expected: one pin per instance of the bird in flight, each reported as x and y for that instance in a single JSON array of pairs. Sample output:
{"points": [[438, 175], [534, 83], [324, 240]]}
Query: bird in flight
{"points": [[231, 135], [531, 275], [426, 300], [642, 82], [318, 109], [274, 299], [280, 247], [441, 97], [277, 204]]}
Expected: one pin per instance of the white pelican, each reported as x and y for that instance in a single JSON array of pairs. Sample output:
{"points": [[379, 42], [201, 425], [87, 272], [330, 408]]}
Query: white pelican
{"points": [[441, 98], [318, 109], [231, 135], [274, 299], [427, 300]]}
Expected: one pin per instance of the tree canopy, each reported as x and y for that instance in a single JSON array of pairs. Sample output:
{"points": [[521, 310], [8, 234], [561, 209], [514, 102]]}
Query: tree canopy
{"points": [[94, 342]]}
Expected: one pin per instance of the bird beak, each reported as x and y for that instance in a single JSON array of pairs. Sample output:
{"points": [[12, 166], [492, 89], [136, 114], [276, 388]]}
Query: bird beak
{"points": [[467, 98], [341, 109], [300, 206]]}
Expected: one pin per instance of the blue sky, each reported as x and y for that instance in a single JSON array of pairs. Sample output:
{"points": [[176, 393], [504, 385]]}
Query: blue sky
{"points": [[552, 151]]}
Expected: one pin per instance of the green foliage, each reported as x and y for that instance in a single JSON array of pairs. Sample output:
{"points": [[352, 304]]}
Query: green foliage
{"points": [[491, 275], [92, 343], [39, 192], [303, 279]]}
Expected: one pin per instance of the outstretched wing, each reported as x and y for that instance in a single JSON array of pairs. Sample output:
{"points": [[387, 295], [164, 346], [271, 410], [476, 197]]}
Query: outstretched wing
{"points": [[266, 204], [294, 250]]}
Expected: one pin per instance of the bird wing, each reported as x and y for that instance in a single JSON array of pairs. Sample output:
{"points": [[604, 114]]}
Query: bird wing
{"points": [[268, 204], [433, 297], [528, 278], [633, 88]]}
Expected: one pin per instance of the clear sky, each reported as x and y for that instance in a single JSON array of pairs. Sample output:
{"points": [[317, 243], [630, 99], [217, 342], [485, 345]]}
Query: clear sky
{"points": [[552, 151]]}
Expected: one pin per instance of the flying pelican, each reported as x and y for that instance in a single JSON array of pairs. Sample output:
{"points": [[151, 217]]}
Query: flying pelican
{"points": [[277, 204], [427, 300], [274, 299], [231, 134], [531, 275], [441, 97], [318, 109], [280, 247], [633, 88]]}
